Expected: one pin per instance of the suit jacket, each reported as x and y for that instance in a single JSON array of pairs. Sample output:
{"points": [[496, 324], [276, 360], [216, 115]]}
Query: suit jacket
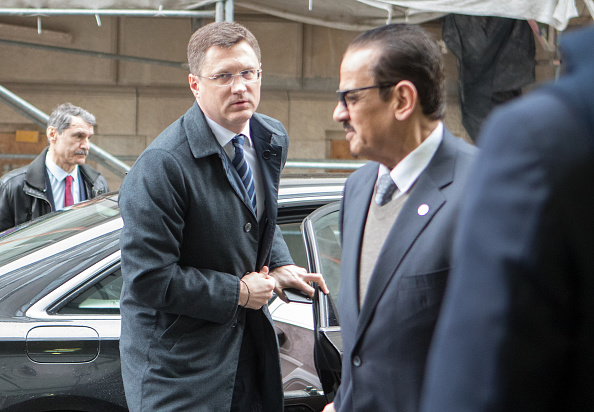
{"points": [[385, 344], [189, 235], [517, 329]]}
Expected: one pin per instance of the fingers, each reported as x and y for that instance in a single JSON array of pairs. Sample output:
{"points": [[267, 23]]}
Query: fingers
{"points": [[317, 278], [291, 276], [260, 287]]}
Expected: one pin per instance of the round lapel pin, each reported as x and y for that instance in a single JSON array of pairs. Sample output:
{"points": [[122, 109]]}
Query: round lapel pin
{"points": [[423, 209]]}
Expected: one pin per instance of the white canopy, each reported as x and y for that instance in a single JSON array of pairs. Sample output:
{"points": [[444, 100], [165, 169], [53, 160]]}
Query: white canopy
{"points": [[552, 12], [348, 14], [369, 13]]}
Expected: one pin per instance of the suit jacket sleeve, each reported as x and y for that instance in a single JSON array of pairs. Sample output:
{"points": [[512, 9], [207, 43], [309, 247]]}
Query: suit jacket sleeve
{"points": [[279, 254]]}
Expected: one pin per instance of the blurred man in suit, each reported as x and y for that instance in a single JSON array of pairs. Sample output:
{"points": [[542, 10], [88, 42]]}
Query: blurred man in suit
{"points": [[517, 328]]}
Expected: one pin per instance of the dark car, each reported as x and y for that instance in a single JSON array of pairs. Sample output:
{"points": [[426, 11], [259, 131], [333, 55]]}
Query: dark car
{"points": [[60, 284]]}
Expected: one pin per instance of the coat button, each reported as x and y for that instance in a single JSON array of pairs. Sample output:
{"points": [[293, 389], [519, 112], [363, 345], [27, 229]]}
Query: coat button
{"points": [[357, 361], [247, 227]]}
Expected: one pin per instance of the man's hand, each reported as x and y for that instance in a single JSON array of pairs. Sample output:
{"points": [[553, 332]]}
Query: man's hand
{"points": [[329, 408], [291, 276], [256, 289]]}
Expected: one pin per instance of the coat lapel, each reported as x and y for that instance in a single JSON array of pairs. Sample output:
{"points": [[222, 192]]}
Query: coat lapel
{"points": [[424, 202], [270, 159]]}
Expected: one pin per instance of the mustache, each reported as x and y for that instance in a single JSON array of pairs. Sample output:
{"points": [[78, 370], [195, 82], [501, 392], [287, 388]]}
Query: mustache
{"points": [[347, 127], [82, 152]]}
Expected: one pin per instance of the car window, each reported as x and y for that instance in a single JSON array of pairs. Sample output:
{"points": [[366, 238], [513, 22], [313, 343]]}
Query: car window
{"points": [[323, 239], [294, 240], [328, 247], [98, 298], [327, 237], [55, 227]]}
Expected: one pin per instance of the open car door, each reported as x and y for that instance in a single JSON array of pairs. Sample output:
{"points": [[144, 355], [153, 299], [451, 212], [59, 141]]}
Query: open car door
{"points": [[322, 239]]}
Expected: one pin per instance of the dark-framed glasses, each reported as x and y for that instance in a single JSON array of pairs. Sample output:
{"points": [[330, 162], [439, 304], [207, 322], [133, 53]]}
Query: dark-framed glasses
{"points": [[227, 79], [342, 94]]}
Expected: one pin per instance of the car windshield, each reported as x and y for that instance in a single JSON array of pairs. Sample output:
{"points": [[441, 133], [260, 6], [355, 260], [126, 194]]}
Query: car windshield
{"points": [[34, 235]]}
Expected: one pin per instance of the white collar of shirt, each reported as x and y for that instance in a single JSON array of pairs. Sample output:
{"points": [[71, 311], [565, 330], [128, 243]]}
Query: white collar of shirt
{"points": [[224, 136], [406, 173], [57, 177]]}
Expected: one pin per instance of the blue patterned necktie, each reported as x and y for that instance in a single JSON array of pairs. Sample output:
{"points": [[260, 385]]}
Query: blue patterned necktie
{"points": [[385, 189], [244, 170]]}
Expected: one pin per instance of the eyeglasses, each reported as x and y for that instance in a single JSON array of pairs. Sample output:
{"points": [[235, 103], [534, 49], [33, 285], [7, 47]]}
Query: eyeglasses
{"points": [[342, 94], [227, 79]]}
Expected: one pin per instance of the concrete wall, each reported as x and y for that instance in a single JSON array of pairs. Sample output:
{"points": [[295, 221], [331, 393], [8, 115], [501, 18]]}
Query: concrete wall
{"points": [[134, 102]]}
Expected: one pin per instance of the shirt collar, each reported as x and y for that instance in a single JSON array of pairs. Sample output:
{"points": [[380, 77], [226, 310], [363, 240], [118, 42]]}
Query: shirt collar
{"points": [[59, 173], [406, 173], [224, 136]]}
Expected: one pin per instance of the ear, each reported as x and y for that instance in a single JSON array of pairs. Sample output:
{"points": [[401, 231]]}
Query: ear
{"points": [[405, 99], [193, 80], [51, 132]]}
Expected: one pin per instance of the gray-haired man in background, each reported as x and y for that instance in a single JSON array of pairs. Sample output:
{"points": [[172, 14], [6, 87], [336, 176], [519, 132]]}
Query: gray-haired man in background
{"points": [[58, 177]]}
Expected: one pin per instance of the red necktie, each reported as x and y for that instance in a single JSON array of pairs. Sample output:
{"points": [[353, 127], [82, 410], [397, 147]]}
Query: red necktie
{"points": [[68, 200]]}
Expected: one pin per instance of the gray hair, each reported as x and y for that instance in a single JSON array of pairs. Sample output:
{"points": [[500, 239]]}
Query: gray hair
{"points": [[62, 115]]}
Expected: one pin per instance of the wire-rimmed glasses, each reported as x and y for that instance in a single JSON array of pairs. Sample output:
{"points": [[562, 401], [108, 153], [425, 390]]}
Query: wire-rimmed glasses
{"points": [[227, 79]]}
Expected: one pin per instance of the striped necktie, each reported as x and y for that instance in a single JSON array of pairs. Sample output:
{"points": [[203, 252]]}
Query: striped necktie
{"points": [[244, 170], [68, 199]]}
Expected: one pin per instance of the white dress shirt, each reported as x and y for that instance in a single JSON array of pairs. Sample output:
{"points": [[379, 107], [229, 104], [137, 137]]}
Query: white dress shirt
{"points": [[406, 173], [57, 178], [224, 137]]}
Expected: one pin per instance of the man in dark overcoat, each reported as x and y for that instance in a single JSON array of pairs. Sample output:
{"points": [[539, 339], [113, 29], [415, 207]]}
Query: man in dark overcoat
{"points": [[201, 251]]}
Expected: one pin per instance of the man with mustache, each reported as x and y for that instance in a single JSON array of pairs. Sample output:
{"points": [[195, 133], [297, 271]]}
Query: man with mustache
{"points": [[58, 177], [398, 214], [201, 251]]}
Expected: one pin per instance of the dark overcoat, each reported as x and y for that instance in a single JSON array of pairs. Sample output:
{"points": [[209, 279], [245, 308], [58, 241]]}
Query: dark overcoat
{"points": [[386, 342], [189, 235]]}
